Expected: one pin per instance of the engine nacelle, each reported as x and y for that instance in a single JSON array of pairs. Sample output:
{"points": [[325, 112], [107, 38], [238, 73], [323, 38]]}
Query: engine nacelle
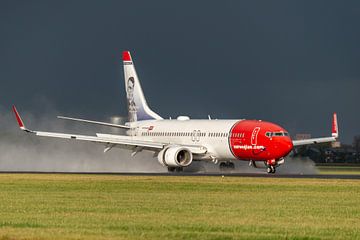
{"points": [[175, 156]]}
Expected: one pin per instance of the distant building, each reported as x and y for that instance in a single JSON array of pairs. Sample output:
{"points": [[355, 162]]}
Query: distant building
{"points": [[336, 144]]}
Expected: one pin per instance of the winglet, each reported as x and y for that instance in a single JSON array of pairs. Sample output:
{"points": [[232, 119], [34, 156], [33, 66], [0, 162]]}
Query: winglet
{"points": [[19, 120], [126, 56], [335, 130]]}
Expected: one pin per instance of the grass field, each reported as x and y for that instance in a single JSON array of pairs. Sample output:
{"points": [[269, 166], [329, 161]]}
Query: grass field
{"points": [[45, 206], [344, 170]]}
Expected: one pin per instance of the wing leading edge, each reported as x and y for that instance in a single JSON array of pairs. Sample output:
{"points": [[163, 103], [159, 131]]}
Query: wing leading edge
{"points": [[333, 138]]}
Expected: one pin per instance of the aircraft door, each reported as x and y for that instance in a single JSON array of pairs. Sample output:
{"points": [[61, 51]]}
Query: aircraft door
{"points": [[195, 136]]}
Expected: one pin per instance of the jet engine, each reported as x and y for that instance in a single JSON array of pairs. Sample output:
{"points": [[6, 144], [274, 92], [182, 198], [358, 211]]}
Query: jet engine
{"points": [[175, 156]]}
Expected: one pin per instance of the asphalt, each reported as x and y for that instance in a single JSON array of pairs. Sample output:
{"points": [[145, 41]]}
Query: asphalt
{"points": [[180, 174]]}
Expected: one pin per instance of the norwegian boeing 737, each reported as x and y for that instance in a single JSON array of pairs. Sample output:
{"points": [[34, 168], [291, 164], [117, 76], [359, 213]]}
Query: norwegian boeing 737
{"points": [[177, 143]]}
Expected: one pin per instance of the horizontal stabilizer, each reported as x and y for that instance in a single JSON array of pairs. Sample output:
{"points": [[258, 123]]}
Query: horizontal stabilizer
{"points": [[95, 122]]}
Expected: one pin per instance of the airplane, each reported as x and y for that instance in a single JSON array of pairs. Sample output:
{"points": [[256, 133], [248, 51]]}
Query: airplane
{"points": [[178, 142]]}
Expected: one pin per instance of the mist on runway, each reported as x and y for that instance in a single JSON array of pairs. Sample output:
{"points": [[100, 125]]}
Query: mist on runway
{"points": [[20, 151]]}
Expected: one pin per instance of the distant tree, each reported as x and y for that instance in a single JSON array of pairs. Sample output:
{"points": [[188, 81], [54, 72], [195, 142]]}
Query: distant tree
{"points": [[356, 143]]}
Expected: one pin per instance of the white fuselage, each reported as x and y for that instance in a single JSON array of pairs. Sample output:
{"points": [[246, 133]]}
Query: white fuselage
{"points": [[212, 134]]}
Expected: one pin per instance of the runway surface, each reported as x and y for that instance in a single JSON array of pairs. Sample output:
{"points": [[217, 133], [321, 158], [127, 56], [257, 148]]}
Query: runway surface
{"points": [[179, 174]]}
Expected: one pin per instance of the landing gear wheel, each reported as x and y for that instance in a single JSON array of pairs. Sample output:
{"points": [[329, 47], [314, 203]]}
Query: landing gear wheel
{"points": [[175, 169], [227, 166], [271, 169]]}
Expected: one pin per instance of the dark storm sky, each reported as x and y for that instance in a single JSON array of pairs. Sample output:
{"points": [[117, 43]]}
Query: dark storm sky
{"points": [[290, 62]]}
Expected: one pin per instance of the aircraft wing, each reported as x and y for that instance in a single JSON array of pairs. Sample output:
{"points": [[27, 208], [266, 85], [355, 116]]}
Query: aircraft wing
{"points": [[108, 140], [313, 141], [333, 138]]}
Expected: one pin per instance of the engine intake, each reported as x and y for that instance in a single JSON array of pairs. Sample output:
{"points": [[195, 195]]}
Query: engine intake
{"points": [[175, 156]]}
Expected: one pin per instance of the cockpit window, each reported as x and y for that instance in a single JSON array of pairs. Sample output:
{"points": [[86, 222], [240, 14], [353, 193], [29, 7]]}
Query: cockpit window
{"points": [[276, 134]]}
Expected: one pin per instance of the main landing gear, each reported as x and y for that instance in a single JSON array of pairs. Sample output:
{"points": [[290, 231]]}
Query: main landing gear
{"points": [[227, 166], [175, 169]]}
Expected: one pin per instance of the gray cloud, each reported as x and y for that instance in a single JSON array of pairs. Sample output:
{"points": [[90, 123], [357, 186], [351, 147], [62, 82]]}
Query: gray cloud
{"points": [[290, 62]]}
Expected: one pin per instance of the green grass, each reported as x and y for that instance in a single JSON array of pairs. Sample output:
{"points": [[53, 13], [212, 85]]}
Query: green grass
{"points": [[343, 170], [46, 206]]}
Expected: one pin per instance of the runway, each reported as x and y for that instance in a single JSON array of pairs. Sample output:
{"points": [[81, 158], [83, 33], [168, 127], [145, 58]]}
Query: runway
{"points": [[180, 174]]}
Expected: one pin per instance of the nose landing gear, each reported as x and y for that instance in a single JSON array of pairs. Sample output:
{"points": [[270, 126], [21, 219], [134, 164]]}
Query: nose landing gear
{"points": [[271, 169], [271, 165]]}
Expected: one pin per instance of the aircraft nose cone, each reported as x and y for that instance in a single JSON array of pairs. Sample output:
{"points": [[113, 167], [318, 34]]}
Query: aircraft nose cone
{"points": [[287, 146]]}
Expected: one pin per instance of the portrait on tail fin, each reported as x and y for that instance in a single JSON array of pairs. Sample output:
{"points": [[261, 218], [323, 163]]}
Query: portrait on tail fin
{"points": [[131, 102]]}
